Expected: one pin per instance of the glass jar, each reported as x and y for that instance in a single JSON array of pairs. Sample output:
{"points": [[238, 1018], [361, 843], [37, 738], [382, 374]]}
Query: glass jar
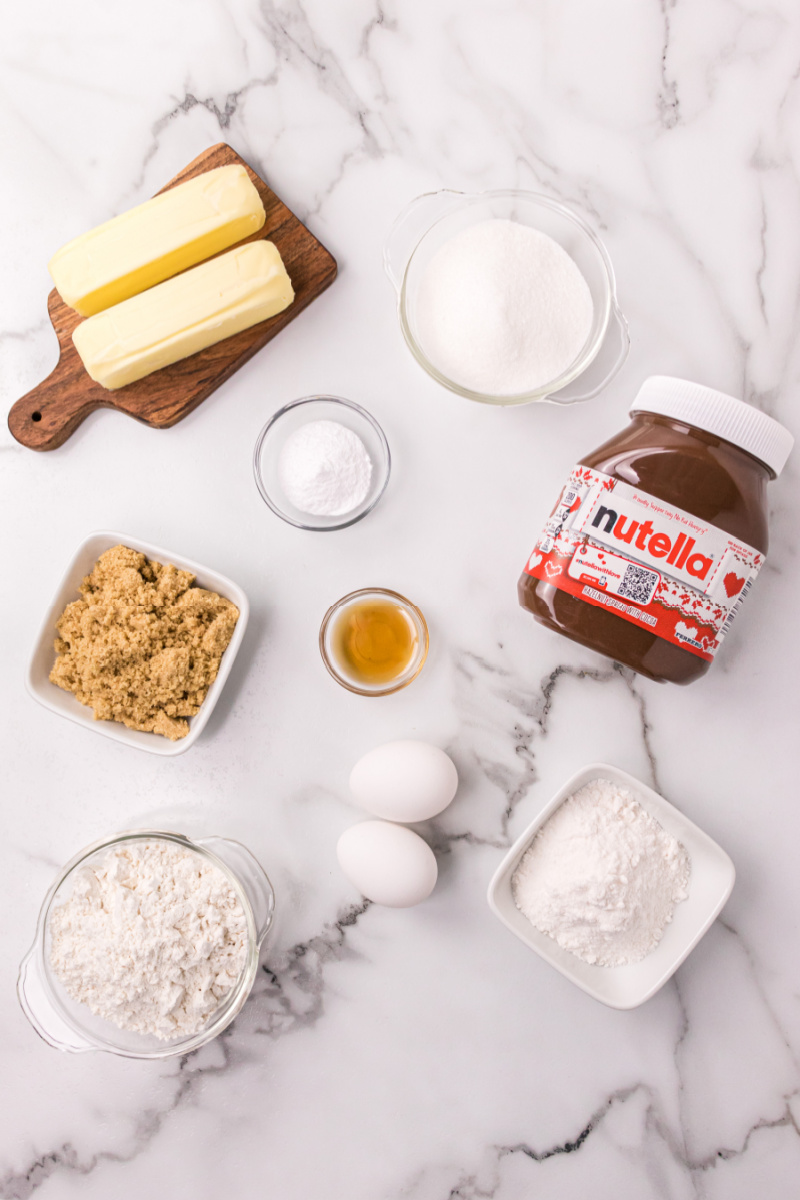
{"points": [[659, 534]]}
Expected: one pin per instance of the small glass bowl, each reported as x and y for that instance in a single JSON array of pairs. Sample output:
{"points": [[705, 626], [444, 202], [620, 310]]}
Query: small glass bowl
{"points": [[290, 418], [356, 685], [69, 1025], [432, 219]]}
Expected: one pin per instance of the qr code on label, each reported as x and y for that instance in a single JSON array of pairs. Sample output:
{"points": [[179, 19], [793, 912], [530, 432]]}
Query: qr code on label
{"points": [[638, 584]]}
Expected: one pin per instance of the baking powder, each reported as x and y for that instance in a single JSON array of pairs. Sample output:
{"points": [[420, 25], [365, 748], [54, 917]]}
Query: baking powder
{"points": [[152, 938], [324, 469], [602, 877]]}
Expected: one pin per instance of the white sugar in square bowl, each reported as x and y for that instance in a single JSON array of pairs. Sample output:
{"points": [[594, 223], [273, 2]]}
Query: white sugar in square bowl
{"points": [[710, 884], [66, 705]]}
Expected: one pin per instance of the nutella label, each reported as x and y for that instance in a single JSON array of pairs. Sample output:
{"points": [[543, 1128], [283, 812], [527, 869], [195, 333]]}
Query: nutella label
{"points": [[656, 566]]}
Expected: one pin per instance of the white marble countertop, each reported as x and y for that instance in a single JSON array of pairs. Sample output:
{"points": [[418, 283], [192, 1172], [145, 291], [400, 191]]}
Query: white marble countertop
{"points": [[424, 1053]]}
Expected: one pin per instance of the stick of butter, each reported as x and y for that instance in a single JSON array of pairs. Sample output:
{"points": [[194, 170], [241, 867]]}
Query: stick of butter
{"points": [[184, 314], [156, 240]]}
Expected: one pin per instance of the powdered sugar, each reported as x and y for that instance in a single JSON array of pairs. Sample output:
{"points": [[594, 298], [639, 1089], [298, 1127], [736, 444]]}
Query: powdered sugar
{"points": [[502, 308], [325, 469], [601, 877], [152, 938]]}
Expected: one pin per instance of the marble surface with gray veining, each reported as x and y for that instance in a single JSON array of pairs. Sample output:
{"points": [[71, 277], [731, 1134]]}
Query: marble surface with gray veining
{"points": [[424, 1054]]}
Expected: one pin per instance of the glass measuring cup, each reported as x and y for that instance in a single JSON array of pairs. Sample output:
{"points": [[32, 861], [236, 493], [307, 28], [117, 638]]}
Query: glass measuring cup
{"points": [[430, 220], [68, 1025]]}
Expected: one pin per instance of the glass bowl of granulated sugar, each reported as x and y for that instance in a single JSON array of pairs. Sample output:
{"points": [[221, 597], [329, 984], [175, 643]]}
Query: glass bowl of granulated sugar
{"points": [[506, 297], [321, 463], [147, 945]]}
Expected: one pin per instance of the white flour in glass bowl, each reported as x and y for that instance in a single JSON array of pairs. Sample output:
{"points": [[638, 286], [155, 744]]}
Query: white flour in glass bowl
{"points": [[152, 938]]}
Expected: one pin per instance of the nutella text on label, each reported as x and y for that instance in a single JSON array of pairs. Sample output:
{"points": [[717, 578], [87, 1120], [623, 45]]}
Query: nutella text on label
{"points": [[652, 564], [642, 528]]}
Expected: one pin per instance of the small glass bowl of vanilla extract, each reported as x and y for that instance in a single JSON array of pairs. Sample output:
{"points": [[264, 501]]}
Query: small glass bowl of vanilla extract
{"points": [[374, 641]]}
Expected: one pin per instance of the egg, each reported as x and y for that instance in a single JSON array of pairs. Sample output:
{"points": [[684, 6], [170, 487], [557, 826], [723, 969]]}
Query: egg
{"points": [[388, 863], [404, 781]]}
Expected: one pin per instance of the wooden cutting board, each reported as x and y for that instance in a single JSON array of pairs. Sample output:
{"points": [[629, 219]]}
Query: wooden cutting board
{"points": [[46, 416]]}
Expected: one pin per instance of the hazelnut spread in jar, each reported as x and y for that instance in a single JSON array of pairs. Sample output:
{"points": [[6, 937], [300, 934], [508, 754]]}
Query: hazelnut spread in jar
{"points": [[658, 535]]}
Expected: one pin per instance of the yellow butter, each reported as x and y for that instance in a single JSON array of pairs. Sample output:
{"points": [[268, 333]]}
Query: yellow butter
{"points": [[156, 240], [184, 314]]}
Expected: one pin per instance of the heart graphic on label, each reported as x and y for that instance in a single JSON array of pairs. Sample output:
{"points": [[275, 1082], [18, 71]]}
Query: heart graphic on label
{"points": [[534, 561], [687, 631], [733, 583], [553, 569]]}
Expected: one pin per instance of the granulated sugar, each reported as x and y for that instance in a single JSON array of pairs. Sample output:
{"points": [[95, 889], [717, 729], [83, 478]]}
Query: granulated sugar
{"points": [[602, 877], [502, 309]]}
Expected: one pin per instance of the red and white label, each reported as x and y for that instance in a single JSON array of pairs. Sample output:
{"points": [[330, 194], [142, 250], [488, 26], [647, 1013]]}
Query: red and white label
{"points": [[613, 573], [655, 565]]}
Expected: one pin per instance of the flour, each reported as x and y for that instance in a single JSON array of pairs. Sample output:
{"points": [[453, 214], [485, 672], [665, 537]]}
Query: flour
{"points": [[502, 309], [152, 938], [324, 469], [602, 877]]}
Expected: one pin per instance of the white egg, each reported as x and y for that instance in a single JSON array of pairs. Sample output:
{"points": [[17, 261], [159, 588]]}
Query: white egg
{"points": [[404, 781], [388, 863]]}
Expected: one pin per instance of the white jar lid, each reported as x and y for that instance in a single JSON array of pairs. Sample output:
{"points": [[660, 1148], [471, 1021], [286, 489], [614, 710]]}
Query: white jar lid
{"points": [[717, 413]]}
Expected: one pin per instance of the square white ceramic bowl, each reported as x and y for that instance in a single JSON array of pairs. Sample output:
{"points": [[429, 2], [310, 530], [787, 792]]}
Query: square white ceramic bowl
{"points": [[65, 704], [710, 883]]}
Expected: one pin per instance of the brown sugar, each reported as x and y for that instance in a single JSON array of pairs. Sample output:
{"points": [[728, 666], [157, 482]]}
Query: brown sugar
{"points": [[143, 645]]}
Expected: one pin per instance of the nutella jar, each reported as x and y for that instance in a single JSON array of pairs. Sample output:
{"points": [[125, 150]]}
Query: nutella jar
{"points": [[658, 535]]}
